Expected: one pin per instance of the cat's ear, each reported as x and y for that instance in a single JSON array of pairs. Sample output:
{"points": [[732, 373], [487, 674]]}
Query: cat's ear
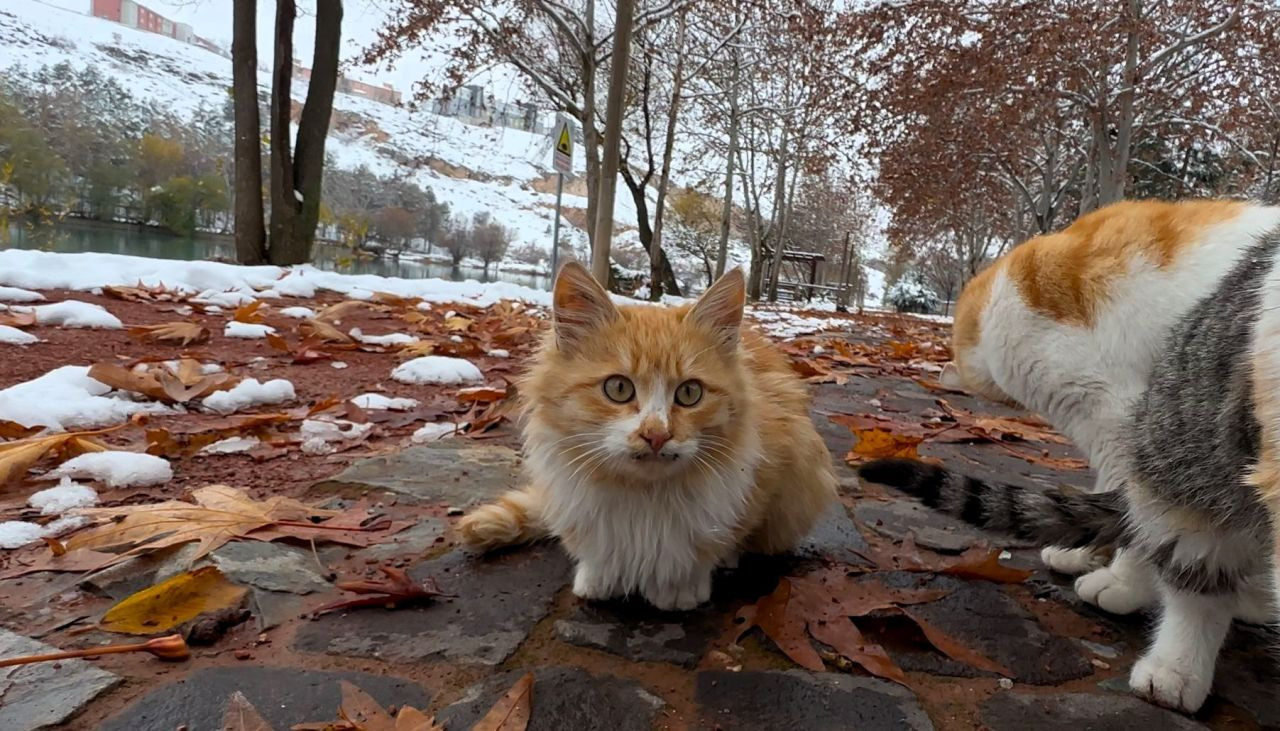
{"points": [[720, 307], [578, 304]]}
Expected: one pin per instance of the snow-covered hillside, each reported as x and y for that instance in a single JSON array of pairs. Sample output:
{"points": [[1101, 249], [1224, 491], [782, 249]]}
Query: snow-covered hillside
{"points": [[471, 168]]}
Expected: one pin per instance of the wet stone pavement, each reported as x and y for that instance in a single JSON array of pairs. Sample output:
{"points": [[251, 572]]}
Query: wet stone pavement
{"points": [[618, 666]]}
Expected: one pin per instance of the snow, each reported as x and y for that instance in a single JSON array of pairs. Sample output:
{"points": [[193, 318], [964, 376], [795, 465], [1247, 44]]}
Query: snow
{"points": [[786, 325], [249, 393], [14, 336], [499, 353], [117, 469], [14, 294], [67, 398], [74, 313], [246, 330], [300, 313], [16, 533], [378, 402], [317, 434], [296, 284], [230, 285], [66, 496], [337, 365], [438, 369], [231, 445], [389, 339], [433, 432]]}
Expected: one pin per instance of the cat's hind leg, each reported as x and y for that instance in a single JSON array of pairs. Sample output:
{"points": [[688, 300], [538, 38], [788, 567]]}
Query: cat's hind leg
{"points": [[1124, 586], [1177, 671]]}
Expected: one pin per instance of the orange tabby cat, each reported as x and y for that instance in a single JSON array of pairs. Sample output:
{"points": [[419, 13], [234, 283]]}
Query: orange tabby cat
{"points": [[659, 443]]}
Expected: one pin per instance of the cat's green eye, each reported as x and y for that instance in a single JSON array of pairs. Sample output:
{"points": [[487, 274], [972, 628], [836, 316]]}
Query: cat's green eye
{"points": [[619, 389], [689, 393]]}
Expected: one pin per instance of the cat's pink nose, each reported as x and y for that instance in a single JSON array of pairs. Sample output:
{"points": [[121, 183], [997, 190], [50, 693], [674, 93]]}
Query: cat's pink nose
{"points": [[655, 438]]}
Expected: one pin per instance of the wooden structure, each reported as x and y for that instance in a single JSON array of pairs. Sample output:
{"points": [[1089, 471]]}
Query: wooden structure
{"points": [[805, 270]]}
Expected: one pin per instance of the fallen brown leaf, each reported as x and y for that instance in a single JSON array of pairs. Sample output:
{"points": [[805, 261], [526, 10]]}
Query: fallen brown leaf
{"points": [[321, 331], [979, 562], [360, 712], [335, 313], [242, 716], [512, 711], [172, 602], [16, 457], [248, 313], [17, 319], [181, 332], [396, 590], [880, 436]]}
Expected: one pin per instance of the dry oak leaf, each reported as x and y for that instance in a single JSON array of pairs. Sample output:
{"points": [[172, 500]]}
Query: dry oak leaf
{"points": [[219, 514], [181, 332], [979, 562], [335, 313], [242, 716], [159, 383], [248, 313], [322, 331], [512, 711], [19, 456], [172, 602], [14, 318], [360, 712], [881, 437]]}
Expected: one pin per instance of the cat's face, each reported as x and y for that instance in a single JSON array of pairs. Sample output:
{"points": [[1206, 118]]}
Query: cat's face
{"points": [[641, 392]]}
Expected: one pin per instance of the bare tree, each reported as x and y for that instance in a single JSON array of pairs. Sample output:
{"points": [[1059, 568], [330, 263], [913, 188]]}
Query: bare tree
{"points": [[251, 234]]}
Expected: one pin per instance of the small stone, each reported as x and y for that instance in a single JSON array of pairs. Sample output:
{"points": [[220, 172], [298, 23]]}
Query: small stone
{"points": [[1006, 683], [40, 695], [270, 566], [455, 511], [1075, 711], [242, 655], [755, 700], [456, 472]]}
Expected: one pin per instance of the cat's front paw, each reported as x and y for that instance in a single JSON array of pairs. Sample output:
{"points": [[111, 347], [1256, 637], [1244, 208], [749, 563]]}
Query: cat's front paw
{"points": [[1173, 682], [680, 596], [1114, 592], [1071, 561], [590, 584]]}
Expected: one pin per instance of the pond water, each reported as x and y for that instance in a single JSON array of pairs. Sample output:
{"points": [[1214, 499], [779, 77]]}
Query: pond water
{"points": [[135, 241]]}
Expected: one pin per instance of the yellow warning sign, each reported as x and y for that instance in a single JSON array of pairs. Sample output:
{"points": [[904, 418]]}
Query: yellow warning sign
{"points": [[562, 154], [565, 144]]}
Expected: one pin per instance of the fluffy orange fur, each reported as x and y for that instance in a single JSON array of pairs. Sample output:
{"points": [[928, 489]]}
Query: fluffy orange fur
{"points": [[751, 428]]}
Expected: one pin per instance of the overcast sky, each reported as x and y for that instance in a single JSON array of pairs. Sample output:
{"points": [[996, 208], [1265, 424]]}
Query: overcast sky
{"points": [[360, 23]]}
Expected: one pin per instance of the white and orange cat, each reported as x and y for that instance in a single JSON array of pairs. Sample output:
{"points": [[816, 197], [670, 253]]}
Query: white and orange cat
{"points": [[659, 443], [1070, 324]]}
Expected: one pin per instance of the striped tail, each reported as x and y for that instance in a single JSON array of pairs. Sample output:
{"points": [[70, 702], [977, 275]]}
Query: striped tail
{"points": [[509, 520], [1051, 518]]}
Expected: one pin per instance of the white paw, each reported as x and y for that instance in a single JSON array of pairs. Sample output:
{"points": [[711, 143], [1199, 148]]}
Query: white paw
{"points": [[1071, 561], [1114, 593], [681, 596], [590, 584], [1171, 682]]}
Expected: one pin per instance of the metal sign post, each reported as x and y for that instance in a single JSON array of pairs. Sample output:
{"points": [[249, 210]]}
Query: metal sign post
{"points": [[562, 161]]}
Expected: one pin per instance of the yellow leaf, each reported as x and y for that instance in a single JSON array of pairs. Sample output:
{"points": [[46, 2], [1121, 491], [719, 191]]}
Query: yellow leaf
{"points": [[172, 602], [458, 323], [418, 349], [18, 457], [877, 443], [322, 330], [334, 313], [248, 312]]}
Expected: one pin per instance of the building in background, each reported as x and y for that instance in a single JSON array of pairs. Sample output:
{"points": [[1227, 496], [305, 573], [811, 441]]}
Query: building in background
{"points": [[139, 17]]}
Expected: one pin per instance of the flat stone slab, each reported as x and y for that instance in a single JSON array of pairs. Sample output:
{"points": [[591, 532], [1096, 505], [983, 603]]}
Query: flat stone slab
{"points": [[640, 633], [835, 537], [45, 694], [456, 472], [498, 601], [1247, 675], [986, 619], [270, 566], [896, 519], [563, 699], [796, 699], [284, 696], [410, 543], [1079, 712]]}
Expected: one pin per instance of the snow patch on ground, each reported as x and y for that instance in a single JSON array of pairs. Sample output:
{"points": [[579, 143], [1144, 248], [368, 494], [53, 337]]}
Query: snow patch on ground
{"points": [[14, 336], [16, 533], [74, 313], [301, 313], [249, 393], [499, 353], [437, 369], [67, 398], [433, 432], [117, 469], [66, 496], [231, 445], [389, 339], [14, 294], [247, 331], [378, 402]]}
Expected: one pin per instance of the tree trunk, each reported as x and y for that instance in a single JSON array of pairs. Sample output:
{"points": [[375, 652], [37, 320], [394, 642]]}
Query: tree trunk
{"points": [[726, 213], [590, 136], [665, 279], [296, 183], [251, 234], [603, 239], [780, 215], [656, 256]]}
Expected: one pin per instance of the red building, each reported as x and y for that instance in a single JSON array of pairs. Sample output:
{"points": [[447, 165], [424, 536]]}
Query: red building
{"points": [[133, 15]]}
